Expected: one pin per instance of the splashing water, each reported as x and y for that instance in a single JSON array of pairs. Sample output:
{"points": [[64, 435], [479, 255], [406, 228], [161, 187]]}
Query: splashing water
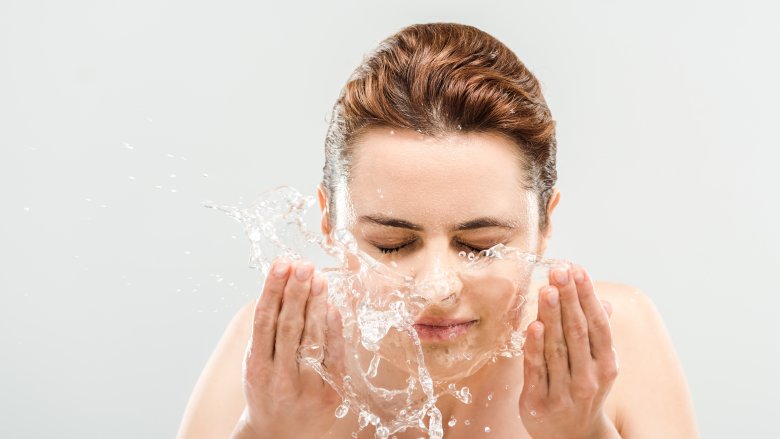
{"points": [[391, 378]]}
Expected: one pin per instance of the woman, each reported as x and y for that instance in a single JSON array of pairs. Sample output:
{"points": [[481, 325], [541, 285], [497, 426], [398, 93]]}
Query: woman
{"points": [[444, 142]]}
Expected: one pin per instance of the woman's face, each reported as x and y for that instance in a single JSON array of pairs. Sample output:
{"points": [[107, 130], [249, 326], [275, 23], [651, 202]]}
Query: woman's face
{"points": [[418, 203]]}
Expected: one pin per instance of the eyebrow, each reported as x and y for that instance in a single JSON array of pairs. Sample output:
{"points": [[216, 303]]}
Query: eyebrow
{"points": [[477, 223]]}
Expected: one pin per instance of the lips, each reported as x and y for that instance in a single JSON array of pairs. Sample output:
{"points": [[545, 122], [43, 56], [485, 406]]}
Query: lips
{"points": [[438, 330]]}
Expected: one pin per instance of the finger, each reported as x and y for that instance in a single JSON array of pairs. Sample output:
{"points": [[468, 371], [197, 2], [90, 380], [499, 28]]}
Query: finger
{"points": [[555, 353], [575, 326], [334, 353], [291, 318], [314, 326], [598, 320], [534, 365], [267, 311], [607, 307]]}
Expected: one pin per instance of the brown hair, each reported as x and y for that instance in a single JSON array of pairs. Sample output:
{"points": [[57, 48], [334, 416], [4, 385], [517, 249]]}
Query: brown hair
{"points": [[439, 78]]}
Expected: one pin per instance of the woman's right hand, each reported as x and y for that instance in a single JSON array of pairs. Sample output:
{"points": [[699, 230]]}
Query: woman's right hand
{"points": [[283, 396]]}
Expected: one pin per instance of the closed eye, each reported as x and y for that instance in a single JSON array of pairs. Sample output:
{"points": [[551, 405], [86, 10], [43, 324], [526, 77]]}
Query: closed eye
{"points": [[472, 248], [388, 250]]}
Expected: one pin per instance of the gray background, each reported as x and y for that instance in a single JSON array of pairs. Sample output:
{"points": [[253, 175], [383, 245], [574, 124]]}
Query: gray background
{"points": [[115, 289]]}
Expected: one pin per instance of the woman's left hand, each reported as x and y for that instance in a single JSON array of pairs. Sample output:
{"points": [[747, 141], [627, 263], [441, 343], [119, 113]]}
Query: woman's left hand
{"points": [[569, 364]]}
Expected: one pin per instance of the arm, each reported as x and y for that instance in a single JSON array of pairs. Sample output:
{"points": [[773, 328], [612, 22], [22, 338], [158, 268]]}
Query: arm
{"points": [[252, 384], [651, 393], [217, 400]]}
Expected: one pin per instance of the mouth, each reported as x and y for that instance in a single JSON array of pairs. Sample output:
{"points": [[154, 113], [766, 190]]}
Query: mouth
{"points": [[442, 330]]}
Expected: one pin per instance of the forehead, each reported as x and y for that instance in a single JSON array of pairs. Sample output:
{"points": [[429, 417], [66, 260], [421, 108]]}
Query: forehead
{"points": [[424, 179]]}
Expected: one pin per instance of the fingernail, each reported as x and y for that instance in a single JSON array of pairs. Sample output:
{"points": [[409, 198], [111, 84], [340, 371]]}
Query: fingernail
{"points": [[280, 268], [303, 270], [579, 277], [561, 276], [552, 296], [317, 284]]}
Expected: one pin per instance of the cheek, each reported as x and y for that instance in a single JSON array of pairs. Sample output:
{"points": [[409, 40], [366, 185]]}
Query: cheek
{"points": [[494, 299]]}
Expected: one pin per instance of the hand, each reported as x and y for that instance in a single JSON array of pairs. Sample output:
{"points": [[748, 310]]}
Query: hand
{"points": [[283, 396], [569, 364]]}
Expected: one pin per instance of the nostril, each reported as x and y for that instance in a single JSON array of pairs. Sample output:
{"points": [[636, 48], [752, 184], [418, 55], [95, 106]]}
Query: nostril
{"points": [[449, 300]]}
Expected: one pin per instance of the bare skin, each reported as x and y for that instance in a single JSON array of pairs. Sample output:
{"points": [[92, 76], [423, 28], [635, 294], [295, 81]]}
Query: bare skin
{"points": [[568, 383]]}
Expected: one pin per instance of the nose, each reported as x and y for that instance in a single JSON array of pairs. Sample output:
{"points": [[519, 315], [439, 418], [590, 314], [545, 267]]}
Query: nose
{"points": [[436, 279]]}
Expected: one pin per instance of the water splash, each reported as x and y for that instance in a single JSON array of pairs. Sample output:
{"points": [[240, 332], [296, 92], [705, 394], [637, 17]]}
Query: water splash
{"points": [[379, 305]]}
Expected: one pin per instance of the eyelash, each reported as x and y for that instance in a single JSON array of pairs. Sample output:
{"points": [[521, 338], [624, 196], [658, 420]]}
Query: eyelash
{"points": [[386, 250]]}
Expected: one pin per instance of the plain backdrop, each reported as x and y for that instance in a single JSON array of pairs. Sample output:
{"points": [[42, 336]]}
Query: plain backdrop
{"points": [[117, 119]]}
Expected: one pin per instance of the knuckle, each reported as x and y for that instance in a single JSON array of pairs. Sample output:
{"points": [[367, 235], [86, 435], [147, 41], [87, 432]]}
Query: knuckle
{"points": [[536, 361], [558, 403], [557, 351], [608, 372], [282, 387], [577, 331], [256, 374], [600, 324], [273, 287], [584, 389], [528, 401], [263, 319], [289, 328]]}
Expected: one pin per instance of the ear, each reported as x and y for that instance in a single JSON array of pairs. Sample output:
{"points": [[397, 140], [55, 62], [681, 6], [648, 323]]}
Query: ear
{"points": [[551, 204], [324, 210]]}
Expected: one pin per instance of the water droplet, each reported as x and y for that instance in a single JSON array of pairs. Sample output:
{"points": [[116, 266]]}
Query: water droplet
{"points": [[188, 253], [533, 412], [342, 410], [452, 422], [205, 175], [131, 177], [467, 422], [490, 396], [363, 419], [172, 175], [459, 127], [26, 209], [373, 367], [487, 429]]}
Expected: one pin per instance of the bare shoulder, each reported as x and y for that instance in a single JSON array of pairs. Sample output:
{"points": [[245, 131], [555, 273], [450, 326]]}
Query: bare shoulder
{"points": [[650, 396], [217, 400]]}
